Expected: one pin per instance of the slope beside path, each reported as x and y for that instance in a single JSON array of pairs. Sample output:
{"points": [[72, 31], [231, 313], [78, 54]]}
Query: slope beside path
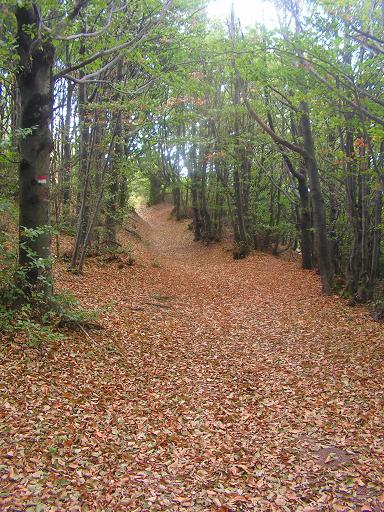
{"points": [[215, 385]]}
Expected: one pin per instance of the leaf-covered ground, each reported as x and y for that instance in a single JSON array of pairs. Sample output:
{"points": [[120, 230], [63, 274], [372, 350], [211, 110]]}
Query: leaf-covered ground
{"points": [[215, 385]]}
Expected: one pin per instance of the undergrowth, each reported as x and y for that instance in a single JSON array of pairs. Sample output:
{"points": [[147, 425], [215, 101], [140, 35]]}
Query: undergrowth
{"points": [[29, 316]]}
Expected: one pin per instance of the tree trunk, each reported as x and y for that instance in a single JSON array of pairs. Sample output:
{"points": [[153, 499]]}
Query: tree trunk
{"points": [[34, 79], [177, 201], [241, 237], [205, 215], [83, 199], [219, 201], [319, 217], [352, 270], [276, 237], [156, 193], [362, 292], [305, 224], [66, 172], [113, 188], [376, 239]]}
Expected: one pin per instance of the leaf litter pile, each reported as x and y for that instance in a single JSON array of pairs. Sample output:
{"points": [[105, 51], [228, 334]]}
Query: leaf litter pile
{"points": [[214, 385]]}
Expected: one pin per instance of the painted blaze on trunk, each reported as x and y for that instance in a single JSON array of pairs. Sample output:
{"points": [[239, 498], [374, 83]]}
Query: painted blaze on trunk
{"points": [[34, 80]]}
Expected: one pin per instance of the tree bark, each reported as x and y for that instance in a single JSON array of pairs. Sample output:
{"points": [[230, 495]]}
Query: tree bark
{"points": [[241, 237], [67, 164], [319, 216], [111, 219], [34, 80]]}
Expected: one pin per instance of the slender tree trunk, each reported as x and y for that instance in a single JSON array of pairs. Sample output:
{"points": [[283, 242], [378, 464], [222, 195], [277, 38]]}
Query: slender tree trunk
{"points": [[241, 238], [305, 224], [246, 167], [195, 184], [376, 238], [333, 242], [271, 222], [195, 209], [67, 157], [276, 237], [205, 215], [177, 201], [113, 188], [319, 217], [352, 270], [84, 205], [362, 293], [93, 216], [219, 202], [84, 193]]}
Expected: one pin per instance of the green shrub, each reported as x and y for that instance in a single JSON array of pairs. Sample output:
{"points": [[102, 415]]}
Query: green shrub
{"points": [[29, 314]]}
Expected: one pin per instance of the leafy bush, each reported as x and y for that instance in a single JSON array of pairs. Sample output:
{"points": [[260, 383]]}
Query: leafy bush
{"points": [[22, 321], [66, 310]]}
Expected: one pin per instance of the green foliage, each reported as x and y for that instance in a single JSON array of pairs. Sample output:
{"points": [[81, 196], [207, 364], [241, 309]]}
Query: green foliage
{"points": [[66, 310], [18, 316], [175, 95], [36, 326], [9, 271], [140, 185], [22, 322], [28, 315]]}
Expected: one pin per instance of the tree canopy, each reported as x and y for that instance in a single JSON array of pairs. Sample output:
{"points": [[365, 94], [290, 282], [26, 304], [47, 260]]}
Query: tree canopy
{"points": [[273, 135]]}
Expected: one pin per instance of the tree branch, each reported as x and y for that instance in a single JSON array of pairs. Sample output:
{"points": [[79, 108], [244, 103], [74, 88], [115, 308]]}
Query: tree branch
{"points": [[131, 45], [81, 35], [276, 138], [60, 27]]}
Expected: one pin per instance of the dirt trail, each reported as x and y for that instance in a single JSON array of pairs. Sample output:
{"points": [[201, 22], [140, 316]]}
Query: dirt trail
{"points": [[216, 385]]}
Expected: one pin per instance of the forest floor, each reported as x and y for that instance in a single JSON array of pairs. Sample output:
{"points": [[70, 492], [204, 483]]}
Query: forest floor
{"points": [[214, 385]]}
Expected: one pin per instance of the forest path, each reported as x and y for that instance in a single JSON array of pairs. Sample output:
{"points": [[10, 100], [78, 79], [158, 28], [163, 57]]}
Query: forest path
{"points": [[216, 385]]}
